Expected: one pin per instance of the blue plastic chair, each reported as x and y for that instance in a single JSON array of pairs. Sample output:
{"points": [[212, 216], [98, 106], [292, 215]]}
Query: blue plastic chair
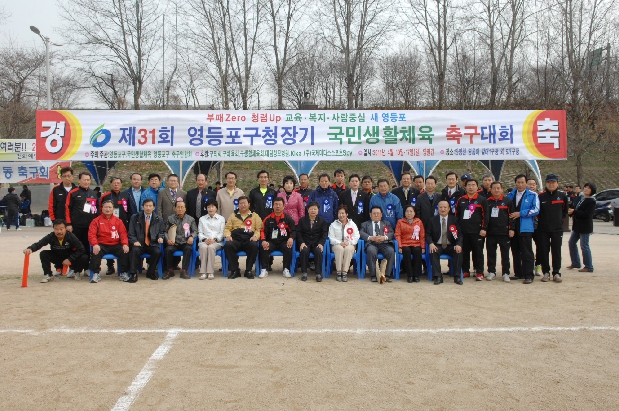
{"points": [[159, 264], [451, 268], [105, 257], [357, 257], [192, 259], [220, 253], [425, 256], [395, 269]]}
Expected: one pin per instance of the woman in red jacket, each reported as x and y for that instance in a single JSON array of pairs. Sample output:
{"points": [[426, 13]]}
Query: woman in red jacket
{"points": [[293, 202], [411, 238]]}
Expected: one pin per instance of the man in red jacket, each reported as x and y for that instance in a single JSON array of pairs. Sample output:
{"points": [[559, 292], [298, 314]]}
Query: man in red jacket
{"points": [[107, 235]]}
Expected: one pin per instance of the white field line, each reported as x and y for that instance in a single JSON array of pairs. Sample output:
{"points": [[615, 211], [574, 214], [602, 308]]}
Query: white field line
{"points": [[140, 381], [316, 330]]}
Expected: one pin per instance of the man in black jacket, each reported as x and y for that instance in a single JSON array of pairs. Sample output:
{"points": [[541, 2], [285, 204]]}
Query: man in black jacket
{"points": [[356, 200], [471, 212], [82, 208], [134, 193], [552, 210], [261, 197], [65, 249], [312, 232], [444, 237], [12, 204], [406, 192], [197, 198], [146, 232], [499, 231], [453, 191], [57, 204], [427, 202]]}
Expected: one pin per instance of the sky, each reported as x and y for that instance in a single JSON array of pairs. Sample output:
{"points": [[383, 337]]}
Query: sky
{"points": [[43, 14]]}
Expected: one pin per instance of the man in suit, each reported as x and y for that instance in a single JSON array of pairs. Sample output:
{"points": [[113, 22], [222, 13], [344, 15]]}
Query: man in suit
{"points": [[312, 233], [146, 232], [445, 237], [406, 192], [378, 236], [166, 198], [453, 191], [356, 200], [134, 194], [197, 198]]}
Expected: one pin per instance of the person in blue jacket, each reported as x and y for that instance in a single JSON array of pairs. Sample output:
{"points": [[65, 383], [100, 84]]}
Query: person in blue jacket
{"points": [[154, 183], [526, 204], [388, 202], [326, 197]]}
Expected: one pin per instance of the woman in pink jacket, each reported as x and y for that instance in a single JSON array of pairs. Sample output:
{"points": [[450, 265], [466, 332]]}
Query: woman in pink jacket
{"points": [[293, 202]]}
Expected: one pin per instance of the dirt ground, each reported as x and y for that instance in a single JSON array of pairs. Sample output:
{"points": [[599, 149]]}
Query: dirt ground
{"points": [[284, 344]]}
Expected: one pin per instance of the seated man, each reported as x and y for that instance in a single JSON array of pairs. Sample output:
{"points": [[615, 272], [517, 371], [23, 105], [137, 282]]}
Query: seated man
{"points": [[444, 236], [146, 232], [277, 234], [378, 236], [312, 234], [65, 249], [242, 233], [211, 234], [107, 235], [181, 230]]}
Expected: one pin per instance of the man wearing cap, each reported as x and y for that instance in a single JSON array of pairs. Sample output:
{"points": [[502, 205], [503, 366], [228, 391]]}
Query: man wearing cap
{"points": [[453, 191], [552, 211]]}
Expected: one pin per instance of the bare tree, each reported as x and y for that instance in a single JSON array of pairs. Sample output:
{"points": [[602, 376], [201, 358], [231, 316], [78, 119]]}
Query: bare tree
{"points": [[401, 76], [19, 90], [433, 22], [115, 33], [355, 28]]}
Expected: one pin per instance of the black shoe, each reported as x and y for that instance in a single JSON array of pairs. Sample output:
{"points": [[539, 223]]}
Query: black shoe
{"points": [[527, 281], [516, 278], [388, 279], [458, 280], [318, 278], [133, 278], [234, 274], [438, 280], [249, 275], [110, 271], [415, 279], [304, 277], [409, 279], [154, 277], [374, 280]]}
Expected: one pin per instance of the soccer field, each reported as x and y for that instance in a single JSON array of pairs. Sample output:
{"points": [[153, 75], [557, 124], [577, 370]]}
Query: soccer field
{"points": [[284, 344]]}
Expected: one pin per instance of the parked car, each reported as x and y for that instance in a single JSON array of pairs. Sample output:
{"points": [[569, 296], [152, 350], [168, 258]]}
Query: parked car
{"points": [[610, 195]]}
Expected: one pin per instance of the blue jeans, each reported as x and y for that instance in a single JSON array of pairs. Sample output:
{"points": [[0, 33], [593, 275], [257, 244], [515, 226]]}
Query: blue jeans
{"points": [[584, 246]]}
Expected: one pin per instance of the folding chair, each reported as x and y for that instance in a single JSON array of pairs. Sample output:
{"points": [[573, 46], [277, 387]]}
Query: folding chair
{"points": [[357, 257]]}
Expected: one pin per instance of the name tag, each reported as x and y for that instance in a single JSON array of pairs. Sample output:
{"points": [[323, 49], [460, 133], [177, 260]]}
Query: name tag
{"points": [[466, 215], [116, 212], [87, 207], [274, 234], [494, 212]]}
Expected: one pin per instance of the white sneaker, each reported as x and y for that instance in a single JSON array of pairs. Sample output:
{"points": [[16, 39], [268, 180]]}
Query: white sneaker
{"points": [[506, 278], [78, 276], [123, 277], [203, 277], [287, 273], [490, 276], [70, 274], [538, 270], [211, 276], [263, 273], [18, 228], [47, 278], [95, 278]]}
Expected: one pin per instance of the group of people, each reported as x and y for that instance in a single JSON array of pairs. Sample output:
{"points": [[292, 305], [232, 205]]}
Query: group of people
{"points": [[16, 205], [405, 222]]}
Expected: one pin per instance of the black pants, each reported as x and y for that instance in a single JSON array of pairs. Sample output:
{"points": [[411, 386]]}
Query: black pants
{"points": [[12, 216], [522, 255], [82, 234], [234, 246], [49, 257], [136, 260], [411, 268], [187, 250], [549, 242], [491, 243], [276, 246], [472, 242], [304, 258], [435, 258], [117, 250]]}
